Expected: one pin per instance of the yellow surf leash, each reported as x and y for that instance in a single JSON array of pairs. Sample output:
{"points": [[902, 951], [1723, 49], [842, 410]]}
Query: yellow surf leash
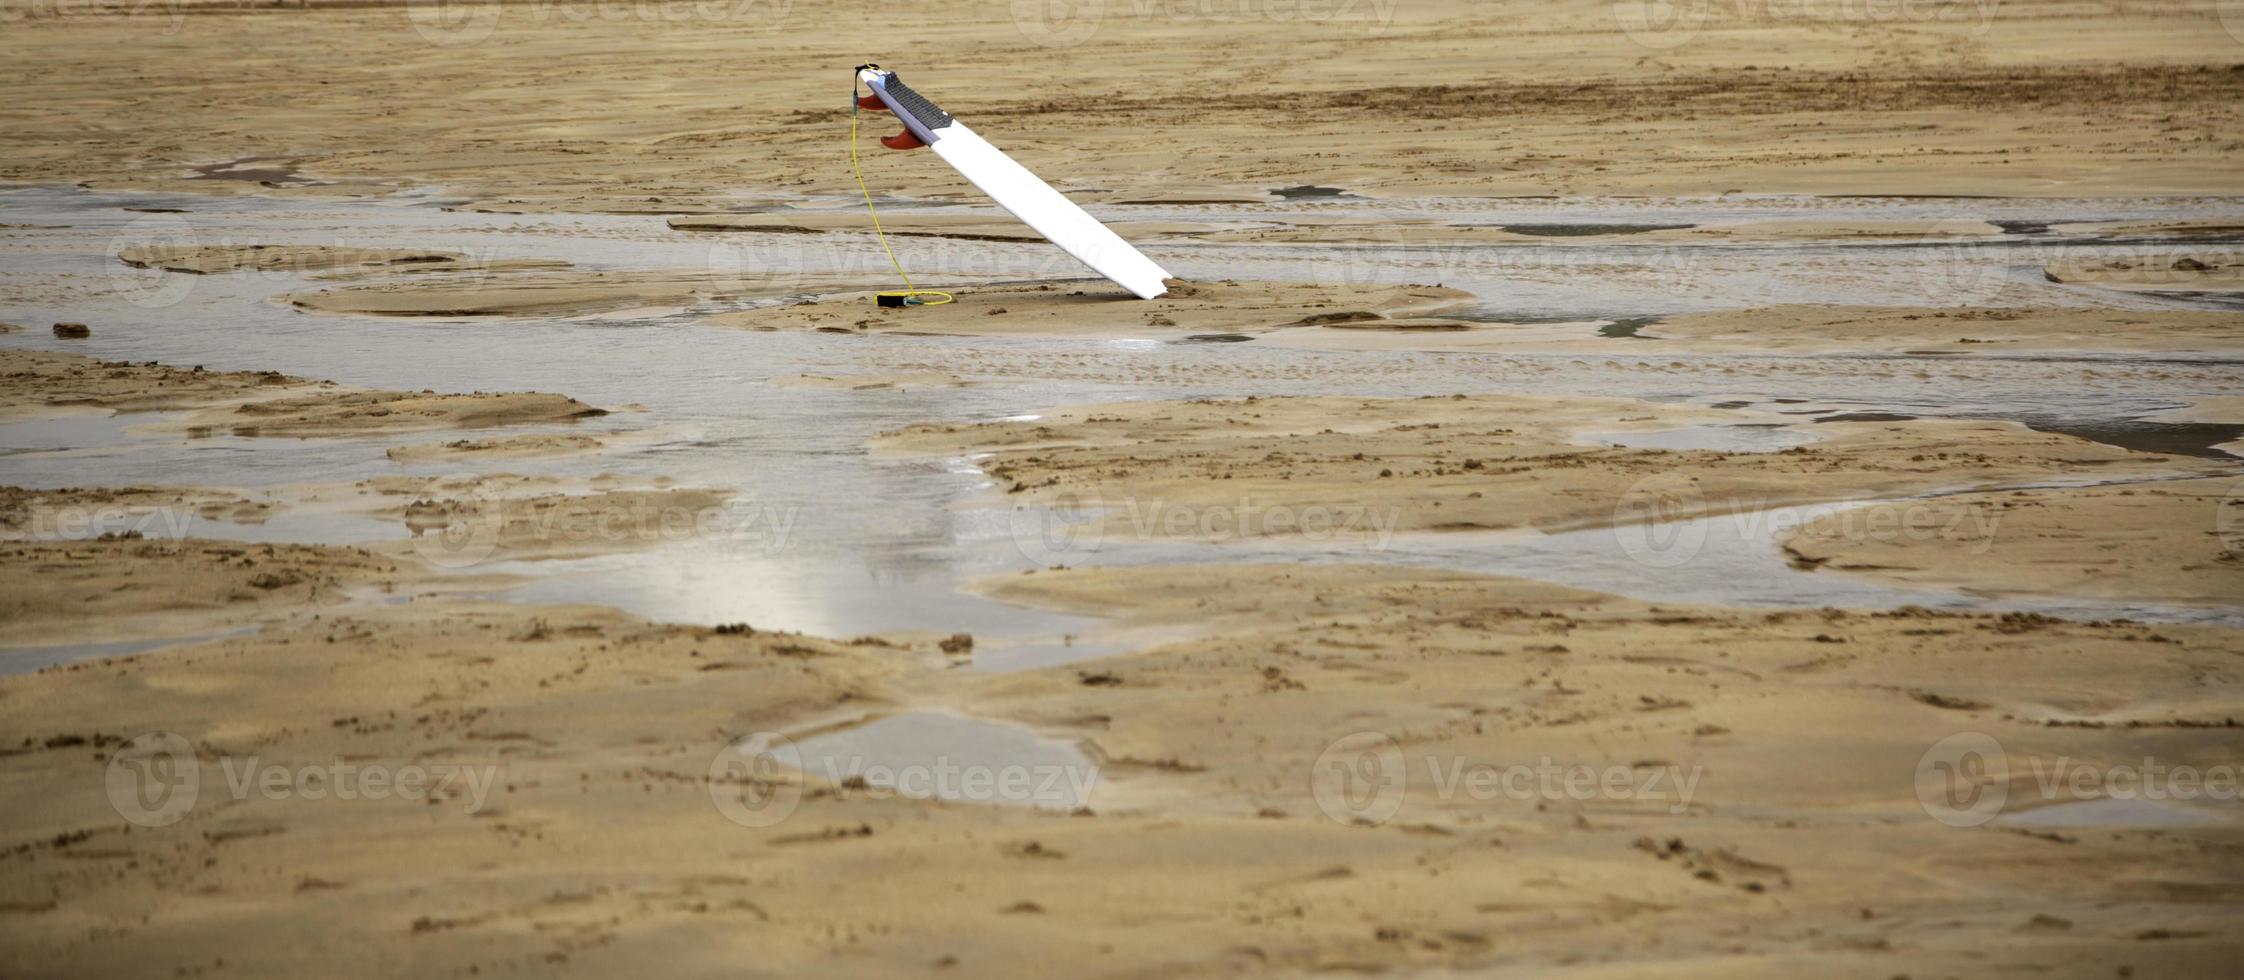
{"points": [[910, 294]]}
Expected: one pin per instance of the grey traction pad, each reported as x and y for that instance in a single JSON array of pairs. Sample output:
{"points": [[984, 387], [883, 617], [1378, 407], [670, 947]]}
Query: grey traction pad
{"points": [[928, 114]]}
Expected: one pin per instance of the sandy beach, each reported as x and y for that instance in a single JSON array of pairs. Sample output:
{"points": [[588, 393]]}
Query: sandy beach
{"points": [[574, 113], [1611, 490]]}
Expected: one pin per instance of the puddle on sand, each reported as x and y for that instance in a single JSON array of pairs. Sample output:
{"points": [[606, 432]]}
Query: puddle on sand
{"points": [[284, 175], [1726, 438], [24, 660], [937, 755], [822, 593], [1007, 656], [878, 547], [1309, 192], [63, 432], [1628, 328]]}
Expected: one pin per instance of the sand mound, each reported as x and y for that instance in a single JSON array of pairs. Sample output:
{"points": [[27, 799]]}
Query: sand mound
{"points": [[138, 587], [2191, 271], [504, 447], [207, 259], [249, 403], [532, 293], [1102, 308], [1372, 467], [2176, 541], [1948, 330], [77, 511], [368, 412]]}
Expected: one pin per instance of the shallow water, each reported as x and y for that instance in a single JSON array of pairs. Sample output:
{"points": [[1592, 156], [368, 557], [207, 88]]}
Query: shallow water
{"points": [[25, 660], [1751, 438], [937, 755], [834, 541]]}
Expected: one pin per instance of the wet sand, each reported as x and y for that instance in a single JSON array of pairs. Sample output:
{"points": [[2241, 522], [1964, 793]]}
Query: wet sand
{"points": [[2179, 541], [257, 403], [1290, 764], [1100, 308], [135, 588], [25, 510], [218, 259], [1368, 468], [507, 447], [572, 757], [1968, 331], [540, 293], [2020, 98]]}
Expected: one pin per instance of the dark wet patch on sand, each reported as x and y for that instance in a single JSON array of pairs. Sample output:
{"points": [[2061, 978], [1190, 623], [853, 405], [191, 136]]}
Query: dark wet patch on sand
{"points": [[2172, 438], [1866, 417], [1309, 192], [1557, 230], [1627, 327]]}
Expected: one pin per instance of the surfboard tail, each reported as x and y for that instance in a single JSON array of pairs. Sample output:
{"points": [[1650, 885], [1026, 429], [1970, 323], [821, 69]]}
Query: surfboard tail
{"points": [[1013, 187]]}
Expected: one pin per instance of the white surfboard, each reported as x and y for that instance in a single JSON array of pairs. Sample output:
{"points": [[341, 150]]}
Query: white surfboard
{"points": [[1012, 186]]}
